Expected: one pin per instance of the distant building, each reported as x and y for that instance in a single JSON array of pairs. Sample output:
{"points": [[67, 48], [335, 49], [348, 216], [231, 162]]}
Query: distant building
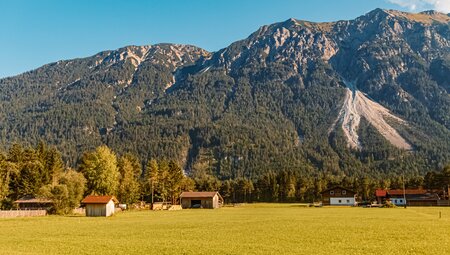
{"points": [[33, 203], [99, 205], [410, 197], [414, 197], [338, 196], [210, 200], [381, 196]]}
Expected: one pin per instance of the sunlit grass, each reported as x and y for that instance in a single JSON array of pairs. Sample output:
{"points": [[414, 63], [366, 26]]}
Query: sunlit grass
{"points": [[248, 229]]}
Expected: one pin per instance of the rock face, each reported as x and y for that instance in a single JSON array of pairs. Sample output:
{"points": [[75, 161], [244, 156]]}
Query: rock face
{"points": [[356, 106], [280, 97], [373, 50]]}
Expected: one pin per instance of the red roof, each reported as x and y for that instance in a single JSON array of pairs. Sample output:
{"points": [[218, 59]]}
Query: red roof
{"points": [[198, 194], [337, 187], [98, 199], [380, 193], [397, 192]]}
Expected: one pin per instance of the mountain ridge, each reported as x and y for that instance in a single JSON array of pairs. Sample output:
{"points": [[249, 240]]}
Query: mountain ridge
{"points": [[265, 102]]}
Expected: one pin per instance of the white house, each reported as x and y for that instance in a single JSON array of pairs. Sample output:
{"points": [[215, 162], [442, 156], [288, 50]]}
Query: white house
{"points": [[99, 205], [398, 201], [339, 196]]}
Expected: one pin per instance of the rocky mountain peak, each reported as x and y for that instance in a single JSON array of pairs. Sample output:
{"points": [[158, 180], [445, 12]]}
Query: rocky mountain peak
{"points": [[425, 17], [376, 82]]}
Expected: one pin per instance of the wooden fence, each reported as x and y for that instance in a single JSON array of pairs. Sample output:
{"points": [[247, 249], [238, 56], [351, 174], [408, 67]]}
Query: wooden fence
{"points": [[79, 211], [22, 213], [443, 202]]}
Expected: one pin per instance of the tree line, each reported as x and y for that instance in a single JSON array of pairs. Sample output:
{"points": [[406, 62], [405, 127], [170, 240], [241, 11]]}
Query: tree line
{"points": [[40, 172]]}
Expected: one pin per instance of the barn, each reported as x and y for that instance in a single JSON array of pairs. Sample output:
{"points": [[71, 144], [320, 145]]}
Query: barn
{"points": [[99, 205], [209, 200], [410, 197], [33, 203], [338, 196]]}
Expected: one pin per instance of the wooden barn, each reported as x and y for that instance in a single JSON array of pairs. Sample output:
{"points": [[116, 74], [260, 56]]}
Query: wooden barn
{"points": [[33, 203], [410, 197], [209, 200], [338, 196], [99, 205]]}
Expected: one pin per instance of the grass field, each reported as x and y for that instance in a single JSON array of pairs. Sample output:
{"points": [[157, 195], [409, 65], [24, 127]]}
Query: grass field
{"points": [[248, 229]]}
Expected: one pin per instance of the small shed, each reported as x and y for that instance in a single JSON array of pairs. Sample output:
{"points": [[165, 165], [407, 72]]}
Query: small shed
{"points": [[99, 205], [33, 203], [381, 195], [211, 200]]}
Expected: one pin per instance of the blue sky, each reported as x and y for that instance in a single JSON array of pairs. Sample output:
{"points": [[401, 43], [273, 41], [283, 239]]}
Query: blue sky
{"points": [[34, 33]]}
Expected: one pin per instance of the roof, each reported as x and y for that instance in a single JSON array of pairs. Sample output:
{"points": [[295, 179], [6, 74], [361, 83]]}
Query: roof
{"points": [[380, 193], [33, 200], [98, 199], [428, 196], [407, 191], [337, 187], [199, 194], [411, 194]]}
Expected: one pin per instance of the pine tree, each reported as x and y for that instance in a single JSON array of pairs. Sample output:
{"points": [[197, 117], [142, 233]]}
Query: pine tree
{"points": [[175, 180], [163, 179], [151, 178]]}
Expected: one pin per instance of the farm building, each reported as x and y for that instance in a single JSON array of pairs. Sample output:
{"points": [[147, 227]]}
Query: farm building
{"points": [[99, 205], [33, 203], [381, 196], [414, 197], [210, 200], [338, 196]]}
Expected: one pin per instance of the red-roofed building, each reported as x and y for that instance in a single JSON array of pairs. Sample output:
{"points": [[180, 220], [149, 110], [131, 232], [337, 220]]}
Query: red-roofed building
{"points": [[410, 197], [210, 200], [99, 205], [381, 196]]}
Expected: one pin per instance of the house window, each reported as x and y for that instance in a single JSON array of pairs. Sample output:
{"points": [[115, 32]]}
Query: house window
{"points": [[332, 192], [344, 192], [340, 201]]}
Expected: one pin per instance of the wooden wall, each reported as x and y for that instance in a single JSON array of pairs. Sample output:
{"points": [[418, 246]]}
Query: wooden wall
{"points": [[206, 202], [94, 210], [22, 213]]}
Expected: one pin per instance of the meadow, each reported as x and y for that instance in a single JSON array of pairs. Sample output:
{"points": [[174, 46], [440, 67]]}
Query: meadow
{"points": [[247, 229]]}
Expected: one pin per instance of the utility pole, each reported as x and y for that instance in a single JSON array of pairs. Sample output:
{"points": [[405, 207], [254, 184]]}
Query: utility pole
{"points": [[404, 191], [152, 194]]}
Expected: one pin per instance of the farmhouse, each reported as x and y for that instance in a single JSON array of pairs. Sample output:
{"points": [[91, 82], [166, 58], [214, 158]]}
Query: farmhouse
{"points": [[338, 196], [210, 200], [33, 203], [411, 197], [99, 205]]}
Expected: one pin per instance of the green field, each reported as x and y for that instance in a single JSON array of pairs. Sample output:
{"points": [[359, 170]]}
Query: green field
{"points": [[247, 229]]}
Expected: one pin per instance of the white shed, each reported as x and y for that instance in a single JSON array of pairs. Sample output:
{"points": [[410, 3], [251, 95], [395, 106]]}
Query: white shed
{"points": [[99, 205]]}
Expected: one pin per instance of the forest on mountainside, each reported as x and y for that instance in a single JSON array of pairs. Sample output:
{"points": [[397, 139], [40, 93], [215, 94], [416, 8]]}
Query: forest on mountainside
{"points": [[39, 172], [268, 103]]}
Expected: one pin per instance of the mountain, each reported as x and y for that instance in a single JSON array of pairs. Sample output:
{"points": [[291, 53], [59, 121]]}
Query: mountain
{"points": [[368, 96]]}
